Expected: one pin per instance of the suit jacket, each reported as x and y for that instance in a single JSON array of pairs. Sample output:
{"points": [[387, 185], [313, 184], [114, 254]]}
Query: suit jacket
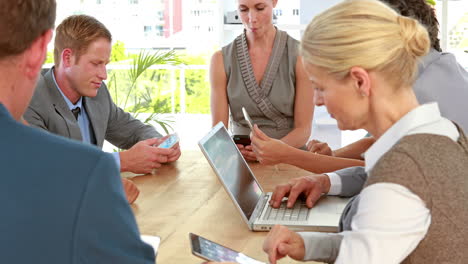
{"points": [[441, 79], [48, 110], [62, 202]]}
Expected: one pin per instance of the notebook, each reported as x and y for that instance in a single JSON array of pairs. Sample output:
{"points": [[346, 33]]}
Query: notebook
{"points": [[252, 202]]}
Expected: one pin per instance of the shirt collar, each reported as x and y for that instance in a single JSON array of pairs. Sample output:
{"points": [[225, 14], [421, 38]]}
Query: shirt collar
{"points": [[420, 116], [69, 103]]}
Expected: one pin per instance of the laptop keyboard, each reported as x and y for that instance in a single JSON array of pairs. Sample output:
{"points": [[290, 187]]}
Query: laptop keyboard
{"points": [[297, 213]]}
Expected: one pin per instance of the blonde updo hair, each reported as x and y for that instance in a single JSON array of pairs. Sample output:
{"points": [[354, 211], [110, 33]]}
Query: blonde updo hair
{"points": [[369, 34]]}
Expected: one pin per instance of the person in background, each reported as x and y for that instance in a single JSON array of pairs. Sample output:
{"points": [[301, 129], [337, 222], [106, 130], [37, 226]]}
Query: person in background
{"points": [[261, 71], [63, 201], [401, 215], [72, 100]]}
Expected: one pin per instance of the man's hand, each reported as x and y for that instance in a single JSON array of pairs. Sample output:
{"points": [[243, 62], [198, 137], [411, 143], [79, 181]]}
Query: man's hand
{"points": [[176, 154], [268, 150], [282, 242], [319, 147], [311, 186], [247, 152], [143, 157], [131, 190]]}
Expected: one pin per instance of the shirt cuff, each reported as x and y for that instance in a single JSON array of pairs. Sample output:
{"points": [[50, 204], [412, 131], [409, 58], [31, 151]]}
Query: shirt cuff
{"points": [[323, 247], [116, 156], [335, 183]]}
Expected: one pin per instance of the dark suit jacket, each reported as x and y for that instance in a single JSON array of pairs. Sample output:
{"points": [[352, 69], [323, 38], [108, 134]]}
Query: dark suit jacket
{"points": [[48, 110], [62, 202]]}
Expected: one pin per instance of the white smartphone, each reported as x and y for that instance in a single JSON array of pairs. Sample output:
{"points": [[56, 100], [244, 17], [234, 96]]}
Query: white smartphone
{"points": [[170, 141], [211, 251], [247, 118]]}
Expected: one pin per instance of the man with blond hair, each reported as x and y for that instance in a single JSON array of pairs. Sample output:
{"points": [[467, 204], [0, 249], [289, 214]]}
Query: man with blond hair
{"points": [[62, 200], [73, 101]]}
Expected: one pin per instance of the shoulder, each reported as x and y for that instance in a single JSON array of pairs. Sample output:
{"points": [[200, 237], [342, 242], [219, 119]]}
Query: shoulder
{"points": [[217, 57], [44, 93], [45, 151], [440, 67], [292, 41], [60, 148], [218, 65], [418, 154]]}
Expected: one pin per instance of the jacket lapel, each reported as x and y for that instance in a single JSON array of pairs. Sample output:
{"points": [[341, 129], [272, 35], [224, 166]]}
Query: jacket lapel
{"points": [[61, 107]]}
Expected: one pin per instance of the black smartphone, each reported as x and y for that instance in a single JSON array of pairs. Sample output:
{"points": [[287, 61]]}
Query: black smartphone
{"points": [[242, 139], [211, 251]]}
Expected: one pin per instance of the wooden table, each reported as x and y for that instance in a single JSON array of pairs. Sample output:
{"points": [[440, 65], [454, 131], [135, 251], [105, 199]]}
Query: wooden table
{"points": [[187, 197]]}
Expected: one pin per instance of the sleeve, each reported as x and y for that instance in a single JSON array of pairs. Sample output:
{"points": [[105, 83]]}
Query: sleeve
{"points": [[34, 118], [335, 183], [323, 247], [352, 180], [106, 230], [389, 223], [123, 130]]}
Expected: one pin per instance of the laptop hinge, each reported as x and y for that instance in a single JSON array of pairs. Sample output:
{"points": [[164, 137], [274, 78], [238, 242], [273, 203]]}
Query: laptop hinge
{"points": [[257, 213]]}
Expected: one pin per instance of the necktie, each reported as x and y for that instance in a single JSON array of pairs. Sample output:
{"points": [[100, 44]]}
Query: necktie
{"points": [[76, 111]]}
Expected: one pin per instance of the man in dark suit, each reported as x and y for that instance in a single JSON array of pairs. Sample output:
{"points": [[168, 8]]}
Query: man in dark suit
{"points": [[72, 100], [62, 201]]}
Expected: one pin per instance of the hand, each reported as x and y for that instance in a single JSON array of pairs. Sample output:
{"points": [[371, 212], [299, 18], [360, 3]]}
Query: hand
{"points": [[282, 242], [311, 186], [247, 152], [142, 158], [131, 190], [319, 147], [268, 150], [176, 155]]}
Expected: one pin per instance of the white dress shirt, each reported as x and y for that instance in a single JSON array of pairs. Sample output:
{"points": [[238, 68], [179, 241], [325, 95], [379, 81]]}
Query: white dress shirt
{"points": [[390, 235]]}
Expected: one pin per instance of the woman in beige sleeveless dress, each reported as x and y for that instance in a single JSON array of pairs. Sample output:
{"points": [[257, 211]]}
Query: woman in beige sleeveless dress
{"points": [[261, 71]]}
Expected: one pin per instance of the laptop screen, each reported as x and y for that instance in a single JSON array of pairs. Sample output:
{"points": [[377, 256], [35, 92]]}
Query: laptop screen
{"points": [[231, 168]]}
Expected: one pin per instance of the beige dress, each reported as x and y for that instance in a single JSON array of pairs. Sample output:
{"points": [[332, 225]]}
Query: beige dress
{"points": [[270, 104]]}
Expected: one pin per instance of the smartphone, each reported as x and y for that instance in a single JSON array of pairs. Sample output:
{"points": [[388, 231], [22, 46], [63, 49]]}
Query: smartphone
{"points": [[247, 118], [170, 141], [242, 139], [211, 251]]}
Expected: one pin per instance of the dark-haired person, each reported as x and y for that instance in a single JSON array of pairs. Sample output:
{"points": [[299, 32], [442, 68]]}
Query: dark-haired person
{"points": [[62, 201], [72, 100]]}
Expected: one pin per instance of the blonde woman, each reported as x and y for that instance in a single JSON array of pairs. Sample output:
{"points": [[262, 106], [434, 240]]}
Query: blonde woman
{"points": [[261, 71], [362, 58]]}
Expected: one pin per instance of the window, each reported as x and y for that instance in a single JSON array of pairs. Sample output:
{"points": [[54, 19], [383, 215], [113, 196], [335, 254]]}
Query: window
{"points": [[453, 21]]}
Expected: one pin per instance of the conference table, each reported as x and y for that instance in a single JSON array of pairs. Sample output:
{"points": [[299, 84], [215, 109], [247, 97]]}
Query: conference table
{"points": [[186, 196]]}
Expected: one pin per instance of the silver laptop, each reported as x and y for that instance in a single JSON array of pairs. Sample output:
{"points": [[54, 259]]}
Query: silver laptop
{"points": [[247, 194]]}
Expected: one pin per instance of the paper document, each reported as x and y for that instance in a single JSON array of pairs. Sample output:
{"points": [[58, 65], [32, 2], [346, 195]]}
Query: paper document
{"points": [[153, 241]]}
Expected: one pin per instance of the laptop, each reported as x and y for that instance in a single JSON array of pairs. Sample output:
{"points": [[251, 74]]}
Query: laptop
{"points": [[252, 202]]}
